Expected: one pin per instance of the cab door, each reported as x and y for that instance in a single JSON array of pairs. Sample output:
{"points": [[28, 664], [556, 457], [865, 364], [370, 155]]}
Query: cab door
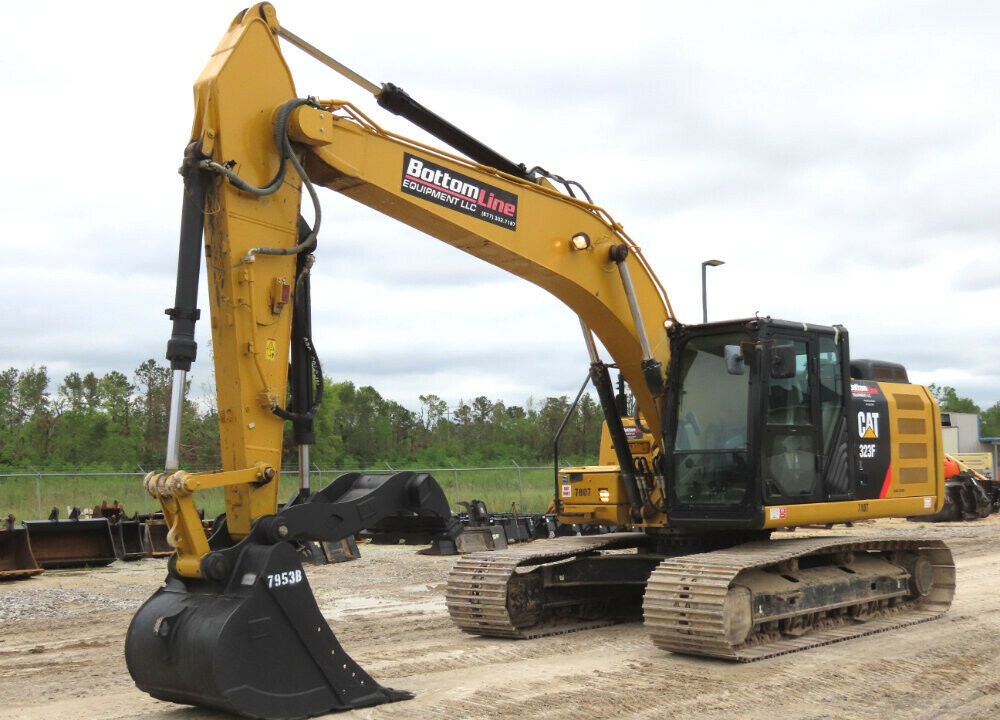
{"points": [[710, 471], [792, 438]]}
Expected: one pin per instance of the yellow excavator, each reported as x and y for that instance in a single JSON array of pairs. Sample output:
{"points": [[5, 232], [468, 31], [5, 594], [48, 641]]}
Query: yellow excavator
{"points": [[738, 428]]}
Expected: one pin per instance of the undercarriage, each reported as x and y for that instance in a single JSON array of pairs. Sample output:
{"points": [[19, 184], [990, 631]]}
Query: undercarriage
{"points": [[744, 603]]}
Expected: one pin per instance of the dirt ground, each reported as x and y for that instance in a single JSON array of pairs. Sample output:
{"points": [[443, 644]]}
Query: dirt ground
{"points": [[62, 635]]}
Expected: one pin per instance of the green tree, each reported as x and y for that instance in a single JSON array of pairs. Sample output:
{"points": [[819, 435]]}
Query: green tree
{"points": [[991, 421], [587, 424], [403, 426], [550, 417], [117, 400], [80, 391], [462, 414], [329, 448], [153, 385], [200, 449], [432, 411], [9, 416], [356, 426], [29, 419], [949, 400], [80, 438]]}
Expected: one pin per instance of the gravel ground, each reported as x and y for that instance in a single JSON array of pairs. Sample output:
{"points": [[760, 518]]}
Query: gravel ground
{"points": [[62, 635]]}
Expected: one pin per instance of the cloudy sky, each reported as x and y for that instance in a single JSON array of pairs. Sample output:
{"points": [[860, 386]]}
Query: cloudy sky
{"points": [[842, 158]]}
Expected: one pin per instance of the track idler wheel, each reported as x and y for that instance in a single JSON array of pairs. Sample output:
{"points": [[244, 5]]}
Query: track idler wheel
{"points": [[254, 644]]}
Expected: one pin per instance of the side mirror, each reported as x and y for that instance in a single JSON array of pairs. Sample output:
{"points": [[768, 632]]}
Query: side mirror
{"points": [[735, 362], [783, 362]]}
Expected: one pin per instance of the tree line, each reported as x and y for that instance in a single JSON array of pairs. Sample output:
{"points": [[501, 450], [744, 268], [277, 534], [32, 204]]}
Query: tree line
{"points": [[950, 401], [114, 422]]}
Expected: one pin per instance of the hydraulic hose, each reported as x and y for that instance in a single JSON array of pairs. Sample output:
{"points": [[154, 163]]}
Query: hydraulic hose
{"points": [[286, 154], [305, 373]]}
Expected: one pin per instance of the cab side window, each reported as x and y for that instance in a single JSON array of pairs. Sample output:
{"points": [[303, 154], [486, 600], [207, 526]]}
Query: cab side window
{"points": [[790, 444], [789, 401], [831, 390]]}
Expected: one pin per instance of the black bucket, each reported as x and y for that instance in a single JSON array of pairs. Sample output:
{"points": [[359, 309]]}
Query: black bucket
{"points": [[255, 645], [127, 538]]}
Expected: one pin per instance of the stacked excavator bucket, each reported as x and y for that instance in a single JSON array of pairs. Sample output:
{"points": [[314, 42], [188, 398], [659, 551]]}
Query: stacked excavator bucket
{"points": [[153, 535], [75, 542], [36, 545], [127, 538], [126, 534], [16, 559]]}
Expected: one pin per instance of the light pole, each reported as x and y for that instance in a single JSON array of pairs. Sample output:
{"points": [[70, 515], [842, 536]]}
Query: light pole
{"points": [[704, 291]]}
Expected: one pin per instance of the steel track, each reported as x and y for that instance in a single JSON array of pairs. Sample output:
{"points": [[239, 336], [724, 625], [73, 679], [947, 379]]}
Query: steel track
{"points": [[479, 585], [684, 606]]}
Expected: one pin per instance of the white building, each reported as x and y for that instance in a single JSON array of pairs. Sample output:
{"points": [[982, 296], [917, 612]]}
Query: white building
{"points": [[960, 433]]}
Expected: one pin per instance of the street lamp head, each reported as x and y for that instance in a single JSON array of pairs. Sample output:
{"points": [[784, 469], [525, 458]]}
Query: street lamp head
{"points": [[714, 263]]}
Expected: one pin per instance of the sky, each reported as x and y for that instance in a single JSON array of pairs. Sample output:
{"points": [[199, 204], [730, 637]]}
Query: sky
{"points": [[841, 158]]}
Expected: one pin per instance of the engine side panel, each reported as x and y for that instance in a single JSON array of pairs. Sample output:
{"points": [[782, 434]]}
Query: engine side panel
{"points": [[898, 429]]}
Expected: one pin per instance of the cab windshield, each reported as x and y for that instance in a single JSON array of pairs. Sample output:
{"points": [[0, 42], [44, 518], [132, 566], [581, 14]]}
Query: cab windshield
{"points": [[710, 453]]}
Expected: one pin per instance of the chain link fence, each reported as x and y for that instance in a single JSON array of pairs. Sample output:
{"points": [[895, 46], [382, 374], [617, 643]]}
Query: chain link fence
{"points": [[32, 495]]}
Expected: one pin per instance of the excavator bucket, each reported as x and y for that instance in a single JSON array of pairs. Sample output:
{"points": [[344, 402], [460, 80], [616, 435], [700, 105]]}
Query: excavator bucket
{"points": [[248, 637], [16, 559], [256, 645], [71, 543], [127, 537], [154, 538], [126, 534]]}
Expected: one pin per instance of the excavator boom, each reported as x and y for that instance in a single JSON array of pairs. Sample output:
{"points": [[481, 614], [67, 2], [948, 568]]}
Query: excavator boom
{"points": [[255, 150]]}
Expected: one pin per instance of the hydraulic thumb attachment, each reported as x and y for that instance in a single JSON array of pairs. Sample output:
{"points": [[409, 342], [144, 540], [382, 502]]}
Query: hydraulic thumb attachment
{"points": [[249, 638]]}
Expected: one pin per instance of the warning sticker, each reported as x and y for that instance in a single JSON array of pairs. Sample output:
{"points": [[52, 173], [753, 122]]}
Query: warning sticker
{"points": [[567, 491], [779, 513]]}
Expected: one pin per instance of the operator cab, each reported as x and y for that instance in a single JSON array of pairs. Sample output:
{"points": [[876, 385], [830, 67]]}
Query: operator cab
{"points": [[756, 417]]}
